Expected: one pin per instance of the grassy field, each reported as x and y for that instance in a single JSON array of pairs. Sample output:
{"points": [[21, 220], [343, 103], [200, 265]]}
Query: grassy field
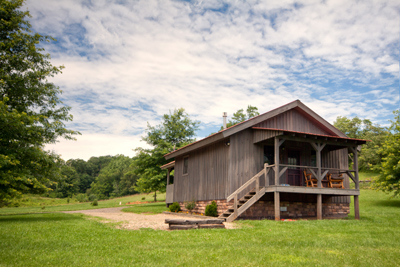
{"points": [[52, 205], [72, 240]]}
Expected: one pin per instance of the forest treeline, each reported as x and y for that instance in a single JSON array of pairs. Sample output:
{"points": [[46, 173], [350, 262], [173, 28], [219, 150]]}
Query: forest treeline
{"points": [[104, 177]]}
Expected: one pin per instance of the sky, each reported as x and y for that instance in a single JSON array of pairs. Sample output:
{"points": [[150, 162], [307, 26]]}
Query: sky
{"points": [[129, 62]]}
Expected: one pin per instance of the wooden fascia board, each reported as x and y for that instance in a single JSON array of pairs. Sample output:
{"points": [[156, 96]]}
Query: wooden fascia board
{"points": [[321, 120], [201, 143], [323, 140], [261, 118]]}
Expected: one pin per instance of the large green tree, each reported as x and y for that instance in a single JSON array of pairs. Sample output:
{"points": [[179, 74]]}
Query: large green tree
{"points": [[370, 154], [389, 168], [176, 130], [31, 113]]}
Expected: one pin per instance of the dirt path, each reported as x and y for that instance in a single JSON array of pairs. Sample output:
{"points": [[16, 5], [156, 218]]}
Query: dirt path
{"points": [[135, 221]]}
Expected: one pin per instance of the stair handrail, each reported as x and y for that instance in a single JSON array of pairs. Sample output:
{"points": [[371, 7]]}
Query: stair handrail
{"points": [[246, 184]]}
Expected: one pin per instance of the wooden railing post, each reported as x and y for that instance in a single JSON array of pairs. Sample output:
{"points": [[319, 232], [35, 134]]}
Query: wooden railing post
{"points": [[276, 153], [235, 204], [257, 185], [266, 175]]}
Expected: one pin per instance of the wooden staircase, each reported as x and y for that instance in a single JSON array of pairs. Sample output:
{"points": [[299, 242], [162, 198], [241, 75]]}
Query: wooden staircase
{"points": [[243, 204], [251, 197]]}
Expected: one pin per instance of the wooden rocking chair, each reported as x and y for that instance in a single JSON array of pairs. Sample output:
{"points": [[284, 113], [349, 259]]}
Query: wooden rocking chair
{"points": [[310, 182], [336, 181]]}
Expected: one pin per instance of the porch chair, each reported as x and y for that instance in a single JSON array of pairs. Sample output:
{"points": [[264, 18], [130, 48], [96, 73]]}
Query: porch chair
{"points": [[335, 181], [310, 182]]}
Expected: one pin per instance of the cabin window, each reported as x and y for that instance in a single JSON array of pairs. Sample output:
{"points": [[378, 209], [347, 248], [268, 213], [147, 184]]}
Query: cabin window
{"points": [[185, 165], [269, 157]]}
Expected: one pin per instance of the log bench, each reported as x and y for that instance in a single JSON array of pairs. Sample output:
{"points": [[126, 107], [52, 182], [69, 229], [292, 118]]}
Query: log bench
{"points": [[181, 224]]}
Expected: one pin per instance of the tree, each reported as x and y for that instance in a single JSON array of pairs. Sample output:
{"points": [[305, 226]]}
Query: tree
{"points": [[364, 129], [114, 178], [239, 116], [31, 113], [389, 168], [175, 131]]}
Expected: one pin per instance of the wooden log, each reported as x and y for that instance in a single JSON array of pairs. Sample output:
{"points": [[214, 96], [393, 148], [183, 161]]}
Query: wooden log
{"points": [[190, 222], [208, 226], [182, 227]]}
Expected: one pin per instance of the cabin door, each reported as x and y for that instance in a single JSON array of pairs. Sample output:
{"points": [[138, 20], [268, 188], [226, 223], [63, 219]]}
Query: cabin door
{"points": [[293, 173]]}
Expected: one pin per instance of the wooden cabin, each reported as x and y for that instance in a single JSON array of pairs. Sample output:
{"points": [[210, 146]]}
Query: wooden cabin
{"points": [[286, 163]]}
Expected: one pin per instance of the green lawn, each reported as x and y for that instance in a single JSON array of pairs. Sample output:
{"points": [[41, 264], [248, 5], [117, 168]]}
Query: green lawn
{"points": [[367, 175], [61, 204], [73, 240]]}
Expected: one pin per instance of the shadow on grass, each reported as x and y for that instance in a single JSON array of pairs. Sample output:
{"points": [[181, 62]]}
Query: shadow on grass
{"points": [[51, 217], [388, 203]]}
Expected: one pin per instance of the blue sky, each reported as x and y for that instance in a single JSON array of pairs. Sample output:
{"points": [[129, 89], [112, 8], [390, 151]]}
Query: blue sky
{"points": [[129, 62]]}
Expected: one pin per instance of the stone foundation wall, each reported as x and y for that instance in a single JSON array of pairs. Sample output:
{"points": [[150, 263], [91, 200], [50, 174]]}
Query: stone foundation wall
{"points": [[265, 209], [200, 208]]}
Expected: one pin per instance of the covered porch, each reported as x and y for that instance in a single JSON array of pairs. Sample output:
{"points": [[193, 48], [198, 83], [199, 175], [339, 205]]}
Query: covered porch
{"points": [[288, 156]]}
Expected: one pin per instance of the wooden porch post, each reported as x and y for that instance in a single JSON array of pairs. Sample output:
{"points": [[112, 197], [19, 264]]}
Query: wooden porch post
{"points": [[168, 171], [277, 206], [276, 154], [355, 167], [319, 207], [356, 208], [318, 148]]}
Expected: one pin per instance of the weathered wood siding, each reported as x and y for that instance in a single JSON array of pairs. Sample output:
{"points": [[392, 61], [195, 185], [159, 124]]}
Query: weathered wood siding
{"points": [[292, 120], [207, 174], [261, 135], [246, 160]]}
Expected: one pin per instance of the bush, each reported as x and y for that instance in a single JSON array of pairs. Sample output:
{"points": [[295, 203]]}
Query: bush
{"points": [[211, 209], [143, 198], [81, 198], [92, 197], [190, 205], [95, 203], [174, 207]]}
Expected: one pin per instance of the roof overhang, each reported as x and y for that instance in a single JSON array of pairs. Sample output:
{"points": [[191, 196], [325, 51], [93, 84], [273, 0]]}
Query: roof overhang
{"points": [[294, 135], [168, 165]]}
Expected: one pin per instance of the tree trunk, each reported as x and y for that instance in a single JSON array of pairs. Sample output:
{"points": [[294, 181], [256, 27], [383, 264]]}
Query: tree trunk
{"points": [[155, 196]]}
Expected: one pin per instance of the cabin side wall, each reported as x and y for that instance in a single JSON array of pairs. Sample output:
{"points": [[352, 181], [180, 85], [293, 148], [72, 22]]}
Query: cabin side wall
{"points": [[207, 174], [246, 160]]}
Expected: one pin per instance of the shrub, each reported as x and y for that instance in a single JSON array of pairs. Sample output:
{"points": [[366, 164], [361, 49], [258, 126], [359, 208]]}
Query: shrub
{"points": [[211, 209], [81, 198], [190, 205], [95, 203], [174, 207], [143, 198], [92, 197]]}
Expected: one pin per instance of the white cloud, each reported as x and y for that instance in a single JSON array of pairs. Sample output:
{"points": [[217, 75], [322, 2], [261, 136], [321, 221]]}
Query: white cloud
{"points": [[126, 65]]}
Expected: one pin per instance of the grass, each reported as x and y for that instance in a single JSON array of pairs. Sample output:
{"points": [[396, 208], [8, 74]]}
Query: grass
{"points": [[61, 204], [71, 240], [367, 175], [148, 208]]}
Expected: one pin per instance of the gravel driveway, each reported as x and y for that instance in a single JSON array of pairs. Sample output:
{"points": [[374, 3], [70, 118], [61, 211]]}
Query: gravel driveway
{"points": [[135, 221]]}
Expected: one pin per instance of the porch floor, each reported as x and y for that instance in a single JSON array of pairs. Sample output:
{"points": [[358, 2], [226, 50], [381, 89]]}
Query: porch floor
{"points": [[312, 190]]}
